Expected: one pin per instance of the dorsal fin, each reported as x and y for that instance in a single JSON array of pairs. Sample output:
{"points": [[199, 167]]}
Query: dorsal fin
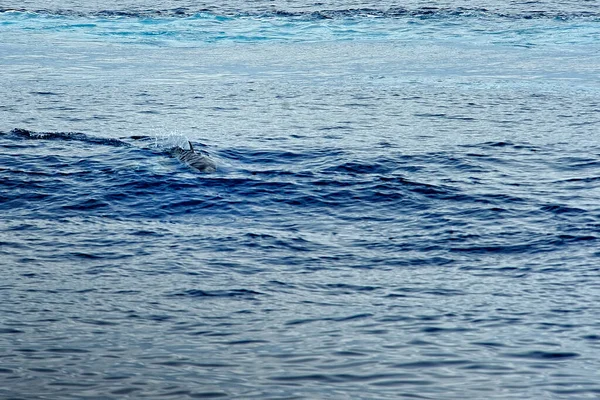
{"points": [[191, 147]]}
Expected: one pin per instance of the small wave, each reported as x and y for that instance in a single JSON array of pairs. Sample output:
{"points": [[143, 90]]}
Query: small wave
{"points": [[82, 137], [544, 355], [163, 144], [561, 209], [224, 13], [358, 168], [230, 293], [189, 27]]}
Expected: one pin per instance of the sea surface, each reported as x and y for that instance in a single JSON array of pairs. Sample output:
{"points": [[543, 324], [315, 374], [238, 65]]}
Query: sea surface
{"points": [[406, 203]]}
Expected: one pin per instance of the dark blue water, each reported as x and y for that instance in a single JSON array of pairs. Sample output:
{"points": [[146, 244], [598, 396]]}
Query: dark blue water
{"points": [[406, 201]]}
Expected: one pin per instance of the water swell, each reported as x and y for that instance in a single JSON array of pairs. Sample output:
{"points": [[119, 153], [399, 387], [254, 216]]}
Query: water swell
{"points": [[125, 181], [325, 186], [112, 176], [190, 27], [285, 255], [66, 136], [169, 149], [395, 12]]}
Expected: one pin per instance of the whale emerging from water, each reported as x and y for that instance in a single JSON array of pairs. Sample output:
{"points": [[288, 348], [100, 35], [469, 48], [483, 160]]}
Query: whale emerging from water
{"points": [[196, 161]]}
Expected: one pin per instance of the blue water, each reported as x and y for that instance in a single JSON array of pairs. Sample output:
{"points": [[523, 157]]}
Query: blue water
{"points": [[406, 201]]}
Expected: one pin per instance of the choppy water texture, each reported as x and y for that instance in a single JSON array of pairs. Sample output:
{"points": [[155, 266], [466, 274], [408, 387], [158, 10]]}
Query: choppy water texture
{"points": [[406, 200]]}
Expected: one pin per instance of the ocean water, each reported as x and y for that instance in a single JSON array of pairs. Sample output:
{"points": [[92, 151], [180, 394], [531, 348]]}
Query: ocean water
{"points": [[406, 202]]}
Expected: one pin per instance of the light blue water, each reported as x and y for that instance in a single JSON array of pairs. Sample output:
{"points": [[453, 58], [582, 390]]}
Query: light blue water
{"points": [[405, 203]]}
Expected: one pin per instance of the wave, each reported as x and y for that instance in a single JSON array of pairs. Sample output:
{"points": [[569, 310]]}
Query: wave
{"points": [[428, 12], [185, 27], [82, 137], [516, 25], [169, 147], [462, 200]]}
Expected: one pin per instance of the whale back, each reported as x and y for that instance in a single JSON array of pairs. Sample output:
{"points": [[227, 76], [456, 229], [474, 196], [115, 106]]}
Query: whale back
{"points": [[197, 161]]}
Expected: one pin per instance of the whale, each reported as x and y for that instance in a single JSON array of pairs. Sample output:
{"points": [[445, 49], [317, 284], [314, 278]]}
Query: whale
{"points": [[197, 161]]}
